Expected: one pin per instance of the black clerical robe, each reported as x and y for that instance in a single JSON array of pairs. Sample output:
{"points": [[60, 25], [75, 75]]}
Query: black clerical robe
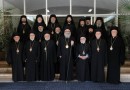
{"points": [[98, 60], [116, 58], [48, 58], [65, 51], [56, 39], [39, 36], [81, 31], [31, 58], [14, 57], [51, 27], [83, 69], [23, 31]]}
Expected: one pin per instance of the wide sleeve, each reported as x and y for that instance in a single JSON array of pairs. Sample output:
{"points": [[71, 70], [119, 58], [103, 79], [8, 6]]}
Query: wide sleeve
{"points": [[59, 48], [24, 52], [105, 51], [54, 52], [122, 52], [9, 55], [38, 52]]}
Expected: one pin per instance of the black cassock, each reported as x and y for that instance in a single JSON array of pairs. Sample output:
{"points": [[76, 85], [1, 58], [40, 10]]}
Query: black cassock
{"points": [[83, 69], [56, 38], [39, 38], [31, 57], [66, 60], [98, 60], [116, 58], [90, 36], [14, 57], [51, 27], [24, 30], [48, 59], [81, 31]]}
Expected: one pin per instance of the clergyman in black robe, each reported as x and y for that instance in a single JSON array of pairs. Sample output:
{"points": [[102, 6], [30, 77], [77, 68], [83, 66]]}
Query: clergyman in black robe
{"points": [[90, 33], [23, 28], [116, 55], [14, 57], [52, 23], [81, 29], [65, 52], [40, 33], [83, 52], [48, 58], [99, 24], [99, 58], [69, 22], [39, 38], [31, 58], [87, 21], [56, 38], [39, 20]]}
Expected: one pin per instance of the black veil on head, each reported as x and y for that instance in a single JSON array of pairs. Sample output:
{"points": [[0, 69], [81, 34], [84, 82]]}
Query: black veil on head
{"points": [[35, 23], [47, 32], [98, 30], [53, 15], [117, 29], [87, 18], [32, 31], [82, 19], [67, 27], [90, 26], [59, 27], [13, 35], [100, 18], [23, 16], [72, 20], [82, 35]]}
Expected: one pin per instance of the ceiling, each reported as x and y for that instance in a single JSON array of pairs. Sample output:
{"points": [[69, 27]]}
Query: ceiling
{"points": [[62, 6]]}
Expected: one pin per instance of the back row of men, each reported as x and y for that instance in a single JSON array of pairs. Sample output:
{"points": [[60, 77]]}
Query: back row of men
{"points": [[45, 51]]}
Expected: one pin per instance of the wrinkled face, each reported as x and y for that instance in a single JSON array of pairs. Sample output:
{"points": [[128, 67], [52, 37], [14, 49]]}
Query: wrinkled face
{"points": [[57, 30], [82, 40], [114, 33], [39, 19], [40, 28], [99, 22], [67, 33], [90, 30], [32, 36], [88, 22], [53, 19], [47, 37], [98, 35], [69, 19], [16, 38], [23, 20], [82, 23]]}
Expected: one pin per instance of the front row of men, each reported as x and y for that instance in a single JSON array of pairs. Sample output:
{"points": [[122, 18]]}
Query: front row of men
{"points": [[39, 58]]}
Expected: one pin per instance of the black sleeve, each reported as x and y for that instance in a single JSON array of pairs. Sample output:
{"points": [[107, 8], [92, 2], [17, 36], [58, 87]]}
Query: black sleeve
{"points": [[59, 49], [122, 52], [9, 55], [38, 52], [24, 52]]}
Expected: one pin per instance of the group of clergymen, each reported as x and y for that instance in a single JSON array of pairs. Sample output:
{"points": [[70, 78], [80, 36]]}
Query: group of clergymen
{"points": [[46, 50]]}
